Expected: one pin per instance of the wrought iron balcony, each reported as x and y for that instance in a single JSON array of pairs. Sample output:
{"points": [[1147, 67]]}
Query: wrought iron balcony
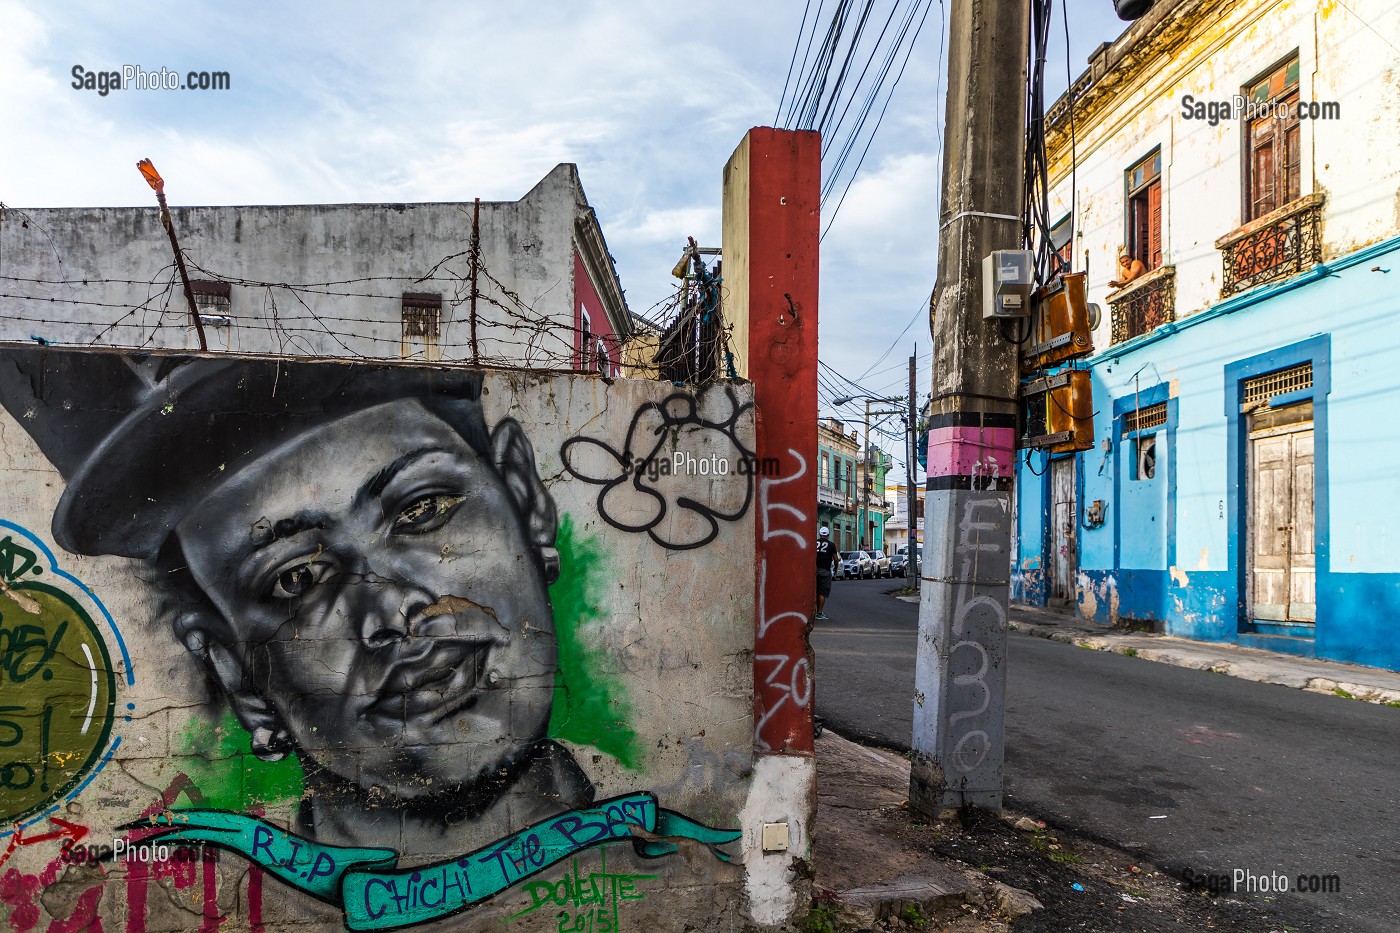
{"points": [[1279, 244], [1143, 305]]}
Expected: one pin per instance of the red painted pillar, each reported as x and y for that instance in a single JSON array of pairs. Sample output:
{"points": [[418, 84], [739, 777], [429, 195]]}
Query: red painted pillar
{"points": [[772, 227]]}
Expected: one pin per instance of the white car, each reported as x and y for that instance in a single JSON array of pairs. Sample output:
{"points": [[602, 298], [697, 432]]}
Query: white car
{"points": [[881, 561], [857, 564]]}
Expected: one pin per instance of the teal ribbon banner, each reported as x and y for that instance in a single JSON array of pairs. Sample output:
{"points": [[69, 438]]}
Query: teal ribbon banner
{"points": [[377, 895]]}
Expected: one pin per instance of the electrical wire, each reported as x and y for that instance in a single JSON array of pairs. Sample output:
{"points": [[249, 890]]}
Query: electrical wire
{"points": [[792, 61], [870, 139], [829, 93]]}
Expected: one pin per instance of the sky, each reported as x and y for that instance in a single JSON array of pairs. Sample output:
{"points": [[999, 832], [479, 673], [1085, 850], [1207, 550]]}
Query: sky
{"points": [[367, 102]]}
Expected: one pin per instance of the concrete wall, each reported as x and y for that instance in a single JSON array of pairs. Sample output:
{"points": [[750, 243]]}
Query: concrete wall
{"points": [[772, 224], [316, 280], [389, 640]]}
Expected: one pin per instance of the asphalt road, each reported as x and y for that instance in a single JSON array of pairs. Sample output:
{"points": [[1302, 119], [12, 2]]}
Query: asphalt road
{"points": [[1238, 775]]}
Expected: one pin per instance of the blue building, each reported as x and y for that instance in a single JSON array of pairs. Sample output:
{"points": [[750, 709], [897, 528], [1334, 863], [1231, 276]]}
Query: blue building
{"points": [[1241, 486]]}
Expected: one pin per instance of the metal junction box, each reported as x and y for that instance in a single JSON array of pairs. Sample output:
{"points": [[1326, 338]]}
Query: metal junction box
{"points": [[1008, 277], [1058, 412], [1061, 324]]}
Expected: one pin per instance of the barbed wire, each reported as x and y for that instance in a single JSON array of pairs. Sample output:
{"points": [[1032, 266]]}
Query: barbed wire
{"points": [[293, 318]]}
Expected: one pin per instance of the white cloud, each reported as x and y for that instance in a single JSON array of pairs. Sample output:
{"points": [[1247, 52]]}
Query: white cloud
{"points": [[346, 101]]}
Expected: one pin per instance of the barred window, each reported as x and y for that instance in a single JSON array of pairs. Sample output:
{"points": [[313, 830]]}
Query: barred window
{"points": [[213, 299], [1145, 418], [1260, 389], [422, 312], [422, 322]]}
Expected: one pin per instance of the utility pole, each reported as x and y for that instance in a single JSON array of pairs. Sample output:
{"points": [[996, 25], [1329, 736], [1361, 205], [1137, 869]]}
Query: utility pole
{"points": [[863, 501], [911, 500], [865, 484], [960, 670], [475, 266]]}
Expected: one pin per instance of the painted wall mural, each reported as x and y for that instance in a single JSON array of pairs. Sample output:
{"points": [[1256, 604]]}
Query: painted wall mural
{"points": [[408, 665]]}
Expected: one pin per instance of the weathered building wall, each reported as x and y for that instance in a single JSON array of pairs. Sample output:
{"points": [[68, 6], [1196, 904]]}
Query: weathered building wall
{"points": [[1174, 548], [1227, 45], [374, 645], [772, 223], [318, 280]]}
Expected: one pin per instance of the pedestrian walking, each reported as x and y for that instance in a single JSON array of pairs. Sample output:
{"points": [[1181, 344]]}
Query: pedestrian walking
{"points": [[826, 565]]}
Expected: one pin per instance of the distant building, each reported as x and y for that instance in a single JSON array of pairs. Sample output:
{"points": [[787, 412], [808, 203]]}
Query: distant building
{"points": [[897, 523], [872, 509], [1244, 386], [334, 280], [837, 453]]}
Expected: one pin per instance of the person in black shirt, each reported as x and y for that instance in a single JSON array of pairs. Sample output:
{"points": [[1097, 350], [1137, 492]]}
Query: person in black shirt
{"points": [[826, 564]]}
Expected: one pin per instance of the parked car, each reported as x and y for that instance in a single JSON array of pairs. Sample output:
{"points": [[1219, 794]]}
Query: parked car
{"points": [[881, 561], [857, 564], [899, 564]]}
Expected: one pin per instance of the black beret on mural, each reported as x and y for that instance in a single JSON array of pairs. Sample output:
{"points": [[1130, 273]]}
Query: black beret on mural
{"points": [[142, 436]]}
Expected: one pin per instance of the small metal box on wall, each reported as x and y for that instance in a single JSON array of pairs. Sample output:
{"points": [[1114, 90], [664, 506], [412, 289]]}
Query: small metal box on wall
{"points": [[1061, 323], [1058, 412]]}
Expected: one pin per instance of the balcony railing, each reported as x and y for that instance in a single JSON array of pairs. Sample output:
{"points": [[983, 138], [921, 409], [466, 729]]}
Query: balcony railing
{"points": [[834, 498], [1143, 305], [1279, 244]]}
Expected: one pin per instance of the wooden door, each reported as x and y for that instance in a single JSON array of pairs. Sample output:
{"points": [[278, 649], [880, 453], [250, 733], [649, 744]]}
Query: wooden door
{"points": [[1064, 552], [1283, 571]]}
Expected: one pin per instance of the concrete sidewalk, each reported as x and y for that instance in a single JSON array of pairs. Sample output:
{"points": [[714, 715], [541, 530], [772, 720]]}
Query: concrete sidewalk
{"points": [[1371, 684], [866, 870]]}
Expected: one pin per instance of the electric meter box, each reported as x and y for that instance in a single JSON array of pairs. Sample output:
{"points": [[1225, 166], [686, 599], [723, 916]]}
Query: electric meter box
{"points": [[1008, 278]]}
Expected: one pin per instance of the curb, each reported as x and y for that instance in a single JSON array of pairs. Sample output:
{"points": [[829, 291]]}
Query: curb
{"points": [[1196, 656]]}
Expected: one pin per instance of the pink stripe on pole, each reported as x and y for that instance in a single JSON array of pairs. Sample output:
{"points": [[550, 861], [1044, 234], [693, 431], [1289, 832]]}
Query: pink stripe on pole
{"points": [[971, 451]]}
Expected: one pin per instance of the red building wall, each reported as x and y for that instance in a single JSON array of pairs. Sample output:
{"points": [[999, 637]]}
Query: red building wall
{"points": [[595, 327]]}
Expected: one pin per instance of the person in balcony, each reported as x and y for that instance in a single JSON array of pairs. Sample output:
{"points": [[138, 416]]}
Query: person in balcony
{"points": [[1128, 268]]}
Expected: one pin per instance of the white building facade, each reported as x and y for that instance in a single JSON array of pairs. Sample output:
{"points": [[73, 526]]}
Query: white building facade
{"points": [[1246, 154]]}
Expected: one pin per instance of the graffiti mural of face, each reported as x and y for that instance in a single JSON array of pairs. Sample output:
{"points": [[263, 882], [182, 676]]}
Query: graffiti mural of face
{"points": [[380, 607]]}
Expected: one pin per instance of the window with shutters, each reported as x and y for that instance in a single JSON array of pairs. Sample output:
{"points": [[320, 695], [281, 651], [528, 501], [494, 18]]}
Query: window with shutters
{"points": [[1145, 211], [1273, 150]]}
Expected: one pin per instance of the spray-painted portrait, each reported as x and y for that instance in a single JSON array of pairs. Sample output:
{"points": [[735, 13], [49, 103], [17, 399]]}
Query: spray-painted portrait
{"points": [[358, 563]]}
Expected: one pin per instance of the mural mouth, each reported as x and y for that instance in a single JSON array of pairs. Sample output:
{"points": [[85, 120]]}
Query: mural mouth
{"points": [[446, 680]]}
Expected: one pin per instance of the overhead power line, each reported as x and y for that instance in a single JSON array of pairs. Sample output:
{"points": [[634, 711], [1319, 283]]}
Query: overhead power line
{"points": [[841, 106]]}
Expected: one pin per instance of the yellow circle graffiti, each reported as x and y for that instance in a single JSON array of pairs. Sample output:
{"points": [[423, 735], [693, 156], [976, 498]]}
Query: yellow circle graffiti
{"points": [[57, 696]]}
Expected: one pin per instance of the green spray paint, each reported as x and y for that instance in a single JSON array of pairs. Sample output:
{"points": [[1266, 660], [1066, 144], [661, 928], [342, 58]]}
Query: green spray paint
{"points": [[590, 704], [226, 772]]}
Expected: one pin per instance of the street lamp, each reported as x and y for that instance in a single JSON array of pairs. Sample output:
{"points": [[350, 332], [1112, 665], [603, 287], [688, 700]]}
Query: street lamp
{"points": [[863, 517]]}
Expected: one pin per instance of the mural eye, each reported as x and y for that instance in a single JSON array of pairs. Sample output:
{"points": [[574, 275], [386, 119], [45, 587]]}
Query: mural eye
{"points": [[425, 514], [296, 580]]}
